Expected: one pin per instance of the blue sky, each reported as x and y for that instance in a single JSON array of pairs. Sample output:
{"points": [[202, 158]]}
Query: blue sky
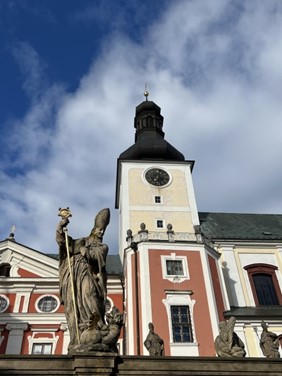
{"points": [[73, 72]]}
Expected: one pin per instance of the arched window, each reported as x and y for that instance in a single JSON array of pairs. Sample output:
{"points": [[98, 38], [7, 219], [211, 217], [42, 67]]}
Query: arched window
{"points": [[5, 270], [264, 284]]}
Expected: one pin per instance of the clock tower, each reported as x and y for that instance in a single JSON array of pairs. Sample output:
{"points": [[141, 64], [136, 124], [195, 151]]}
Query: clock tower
{"points": [[171, 277]]}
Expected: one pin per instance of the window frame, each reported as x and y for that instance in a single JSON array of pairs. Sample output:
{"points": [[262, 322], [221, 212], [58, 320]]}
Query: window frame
{"points": [[181, 298], [110, 304], [180, 262], [175, 278], [266, 269], [4, 297], [163, 224], [156, 198], [42, 344], [181, 324], [45, 296], [39, 337]]}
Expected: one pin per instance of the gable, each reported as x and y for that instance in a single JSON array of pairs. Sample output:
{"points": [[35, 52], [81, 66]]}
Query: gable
{"points": [[26, 262]]}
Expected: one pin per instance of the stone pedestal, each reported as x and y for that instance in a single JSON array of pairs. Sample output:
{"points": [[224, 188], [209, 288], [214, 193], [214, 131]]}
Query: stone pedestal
{"points": [[100, 364]]}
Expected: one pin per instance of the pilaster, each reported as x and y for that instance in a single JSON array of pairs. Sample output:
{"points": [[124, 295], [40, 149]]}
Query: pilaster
{"points": [[15, 339]]}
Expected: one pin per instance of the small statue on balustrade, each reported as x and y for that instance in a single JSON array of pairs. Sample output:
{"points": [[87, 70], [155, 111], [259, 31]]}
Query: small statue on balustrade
{"points": [[153, 343], [227, 343], [269, 343]]}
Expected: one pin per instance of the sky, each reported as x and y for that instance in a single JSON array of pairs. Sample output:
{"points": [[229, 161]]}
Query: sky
{"points": [[73, 72]]}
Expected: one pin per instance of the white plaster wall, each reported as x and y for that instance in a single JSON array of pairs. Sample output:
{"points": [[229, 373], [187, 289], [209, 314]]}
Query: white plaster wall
{"points": [[145, 292], [232, 277], [255, 258]]}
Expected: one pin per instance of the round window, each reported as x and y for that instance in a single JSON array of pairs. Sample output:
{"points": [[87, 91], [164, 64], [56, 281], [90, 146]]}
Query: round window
{"points": [[108, 305], [4, 303], [47, 304]]}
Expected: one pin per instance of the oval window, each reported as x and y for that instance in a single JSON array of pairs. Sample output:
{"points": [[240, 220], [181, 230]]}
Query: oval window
{"points": [[108, 306], [47, 303], [4, 303]]}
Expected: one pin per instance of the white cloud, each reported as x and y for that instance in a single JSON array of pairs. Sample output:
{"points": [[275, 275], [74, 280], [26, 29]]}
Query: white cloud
{"points": [[218, 85], [33, 69]]}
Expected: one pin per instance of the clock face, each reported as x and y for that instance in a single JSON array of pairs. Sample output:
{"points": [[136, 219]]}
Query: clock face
{"points": [[157, 177]]}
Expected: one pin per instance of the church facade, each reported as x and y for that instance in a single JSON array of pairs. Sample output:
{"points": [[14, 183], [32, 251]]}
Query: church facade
{"points": [[32, 319], [182, 270]]}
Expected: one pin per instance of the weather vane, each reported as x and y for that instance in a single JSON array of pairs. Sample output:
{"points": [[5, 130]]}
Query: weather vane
{"points": [[146, 93]]}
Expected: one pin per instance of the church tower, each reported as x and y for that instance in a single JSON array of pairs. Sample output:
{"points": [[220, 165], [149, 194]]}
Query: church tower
{"points": [[171, 277]]}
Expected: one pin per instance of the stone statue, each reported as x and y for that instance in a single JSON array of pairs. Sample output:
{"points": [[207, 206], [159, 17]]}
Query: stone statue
{"points": [[269, 343], [153, 343], [102, 337], [83, 286], [227, 343]]}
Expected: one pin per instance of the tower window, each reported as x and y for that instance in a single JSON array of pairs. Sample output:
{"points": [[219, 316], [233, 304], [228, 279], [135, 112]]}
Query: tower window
{"points": [[174, 267], [160, 223], [264, 284], [158, 199], [181, 323]]}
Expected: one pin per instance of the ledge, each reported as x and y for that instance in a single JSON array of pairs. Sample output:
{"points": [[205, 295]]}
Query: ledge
{"points": [[265, 312], [111, 364]]}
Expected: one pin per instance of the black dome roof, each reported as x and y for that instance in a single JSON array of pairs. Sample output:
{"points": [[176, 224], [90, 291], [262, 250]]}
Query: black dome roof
{"points": [[149, 136]]}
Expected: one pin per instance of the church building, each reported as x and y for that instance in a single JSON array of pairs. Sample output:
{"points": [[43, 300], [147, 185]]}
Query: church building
{"points": [[182, 270]]}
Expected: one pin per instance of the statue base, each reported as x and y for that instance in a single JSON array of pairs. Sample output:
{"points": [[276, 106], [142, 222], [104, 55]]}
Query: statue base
{"points": [[90, 348]]}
